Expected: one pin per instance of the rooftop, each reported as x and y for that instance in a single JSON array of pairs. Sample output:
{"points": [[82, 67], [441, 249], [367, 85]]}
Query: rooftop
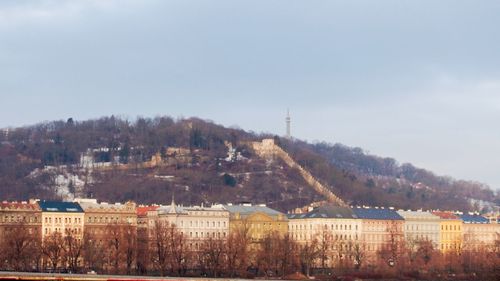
{"points": [[143, 210], [62, 207], [326, 211], [23, 205], [247, 209], [446, 215], [467, 218], [376, 214], [424, 215]]}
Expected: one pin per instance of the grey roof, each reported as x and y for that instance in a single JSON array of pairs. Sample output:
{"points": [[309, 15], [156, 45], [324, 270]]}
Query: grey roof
{"points": [[417, 215], [377, 214], [327, 211], [171, 209], [86, 206], [466, 218], [245, 210], [61, 207]]}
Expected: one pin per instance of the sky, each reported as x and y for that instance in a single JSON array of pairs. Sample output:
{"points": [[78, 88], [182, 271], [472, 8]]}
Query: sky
{"points": [[418, 81]]}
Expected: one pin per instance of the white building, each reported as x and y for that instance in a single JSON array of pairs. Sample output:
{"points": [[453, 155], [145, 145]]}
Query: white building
{"points": [[194, 222], [420, 226], [339, 227]]}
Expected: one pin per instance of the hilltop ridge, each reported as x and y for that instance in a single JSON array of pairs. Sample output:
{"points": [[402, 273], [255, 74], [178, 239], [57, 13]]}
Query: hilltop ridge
{"points": [[149, 159]]}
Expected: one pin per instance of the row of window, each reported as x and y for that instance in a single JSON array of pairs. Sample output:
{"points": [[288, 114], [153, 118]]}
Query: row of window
{"points": [[422, 227], [332, 227], [57, 229], [206, 234], [204, 213], [109, 220], [207, 224], [337, 236], [18, 218], [66, 220], [453, 246], [451, 227]]}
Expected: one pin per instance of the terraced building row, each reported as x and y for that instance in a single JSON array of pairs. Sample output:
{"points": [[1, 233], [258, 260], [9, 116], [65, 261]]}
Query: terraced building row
{"points": [[345, 231]]}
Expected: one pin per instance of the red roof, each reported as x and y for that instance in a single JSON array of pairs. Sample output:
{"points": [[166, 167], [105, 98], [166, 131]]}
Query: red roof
{"points": [[18, 206], [143, 210], [446, 215]]}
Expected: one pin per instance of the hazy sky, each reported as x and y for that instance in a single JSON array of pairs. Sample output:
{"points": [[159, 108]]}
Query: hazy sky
{"points": [[415, 80]]}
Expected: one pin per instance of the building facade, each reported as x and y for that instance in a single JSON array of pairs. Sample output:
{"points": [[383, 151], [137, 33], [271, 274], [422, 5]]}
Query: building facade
{"points": [[420, 226], [20, 235], [62, 217], [15, 214], [195, 223], [450, 229], [478, 232], [143, 237], [337, 230], [101, 217], [258, 221], [381, 228]]}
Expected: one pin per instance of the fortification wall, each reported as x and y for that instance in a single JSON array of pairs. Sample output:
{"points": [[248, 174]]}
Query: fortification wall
{"points": [[268, 149]]}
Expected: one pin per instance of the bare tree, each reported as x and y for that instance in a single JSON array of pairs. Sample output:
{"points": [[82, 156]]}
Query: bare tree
{"points": [[122, 247], [177, 250], [130, 246], [115, 256], [214, 255], [160, 245], [143, 259], [93, 252], [325, 243], [237, 245], [72, 250], [287, 255], [392, 250], [268, 255], [52, 249], [19, 247], [359, 255], [425, 251], [308, 254]]}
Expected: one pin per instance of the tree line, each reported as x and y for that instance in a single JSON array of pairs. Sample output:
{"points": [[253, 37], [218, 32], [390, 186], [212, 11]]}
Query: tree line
{"points": [[164, 250]]}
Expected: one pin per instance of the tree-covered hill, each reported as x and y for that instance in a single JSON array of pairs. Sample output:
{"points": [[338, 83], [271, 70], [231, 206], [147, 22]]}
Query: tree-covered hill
{"points": [[148, 160]]}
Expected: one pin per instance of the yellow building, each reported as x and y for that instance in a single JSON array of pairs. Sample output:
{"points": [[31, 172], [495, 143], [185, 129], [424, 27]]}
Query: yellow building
{"points": [[259, 220], [450, 232]]}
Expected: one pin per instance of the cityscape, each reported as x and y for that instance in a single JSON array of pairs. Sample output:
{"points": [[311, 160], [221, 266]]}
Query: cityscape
{"points": [[242, 240], [202, 140]]}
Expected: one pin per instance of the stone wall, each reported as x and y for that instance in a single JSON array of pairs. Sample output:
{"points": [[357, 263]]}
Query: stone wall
{"points": [[268, 149]]}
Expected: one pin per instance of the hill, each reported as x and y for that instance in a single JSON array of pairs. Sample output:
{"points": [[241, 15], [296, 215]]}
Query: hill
{"points": [[151, 159]]}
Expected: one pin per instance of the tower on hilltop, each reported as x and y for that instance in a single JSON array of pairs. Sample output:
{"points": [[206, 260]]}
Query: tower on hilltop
{"points": [[288, 134]]}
